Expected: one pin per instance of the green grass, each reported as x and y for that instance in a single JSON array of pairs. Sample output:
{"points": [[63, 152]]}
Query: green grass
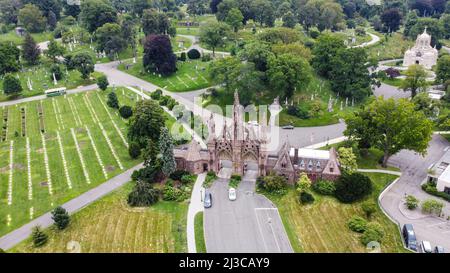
{"points": [[199, 235], [187, 77], [188, 31], [177, 42], [393, 48], [42, 80], [11, 36], [394, 82], [322, 226], [119, 228], [234, 181], [74, 113]]}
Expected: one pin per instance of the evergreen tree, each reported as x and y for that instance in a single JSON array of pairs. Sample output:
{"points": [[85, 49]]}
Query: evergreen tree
{"points": [[51, 20], [112, 101], [102, 82], [54, 50], [84, 63], [9, 58], [143, 194], [30, 50], [11, 85], [61, 218], [39, 237], [166, 151], [289, 20]]}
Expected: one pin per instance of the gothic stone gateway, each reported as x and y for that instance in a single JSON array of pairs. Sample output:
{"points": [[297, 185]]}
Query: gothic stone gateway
{"points": [[242, 146]]}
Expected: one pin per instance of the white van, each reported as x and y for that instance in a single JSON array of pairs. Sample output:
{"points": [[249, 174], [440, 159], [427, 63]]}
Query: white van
{"points": [[426, 247]]}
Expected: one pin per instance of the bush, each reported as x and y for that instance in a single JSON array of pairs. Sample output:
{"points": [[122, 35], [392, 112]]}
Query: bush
{"points": [[210, 177], [188, 179], [432, 206], [411, 202], [314, 33], [39, 237], [176, 175], [392, 72], [171, 193], [373, 233], [306, 197], [156, 95], [164, 100], [193, 54], [125, 111], [143, 195], [369, 208], [134, 150], [352, 187], [112, 101], [273, 183], [182, 56], [324, 187], [60, 217], [102, 82], [430, 188], [171, 103], [357, 224]]}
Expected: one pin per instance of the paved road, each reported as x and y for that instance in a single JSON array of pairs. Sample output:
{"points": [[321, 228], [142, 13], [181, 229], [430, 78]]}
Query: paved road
{"points": [[41, 97], [375, 39], [249, 224], [195, 206], [414, 170], [11, 239]]}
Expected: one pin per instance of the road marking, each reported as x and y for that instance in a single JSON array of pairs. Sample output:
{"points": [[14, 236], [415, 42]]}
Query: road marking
{"points": [[270, 225], [260, 231]]}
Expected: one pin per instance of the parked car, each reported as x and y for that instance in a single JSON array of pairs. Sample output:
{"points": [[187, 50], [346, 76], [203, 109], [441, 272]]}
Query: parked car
{"points": [[410, 237], [232, 194], [439, 249], [288, 127], [208, 200], [253, 122], [426, 247]]}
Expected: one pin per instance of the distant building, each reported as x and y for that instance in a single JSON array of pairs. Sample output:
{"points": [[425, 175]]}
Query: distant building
{"points": [[421, 53], [242, 148], [440, 173]]}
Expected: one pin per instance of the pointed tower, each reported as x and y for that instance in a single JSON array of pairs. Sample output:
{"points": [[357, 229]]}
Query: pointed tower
{"points": [[263, 151], [212, 145], [237, 136]]}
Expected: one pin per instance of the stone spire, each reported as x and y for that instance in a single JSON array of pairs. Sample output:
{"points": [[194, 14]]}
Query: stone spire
{"points": [[237, 119], [212, 127]]}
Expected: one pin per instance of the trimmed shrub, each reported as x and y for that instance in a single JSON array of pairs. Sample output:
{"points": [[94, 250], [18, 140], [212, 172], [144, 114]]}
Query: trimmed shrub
{"points": [[193, 54], [11, 85], [182, 56], [324, 187], [156, 95], [206, 58], [357, 224], [56, 69], [102, 82], [164, 100], [61, 218], [352, 187], [411, 202], [125, 111], [306, 197], [112, 101], [176, 175], [272, 183], [373, 233]]}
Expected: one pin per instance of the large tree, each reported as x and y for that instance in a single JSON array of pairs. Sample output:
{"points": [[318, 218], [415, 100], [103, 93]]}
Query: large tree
{"points": [[46, 6], [433, 28], [30, 50], [84, 63], [154, 22], [146, 123], [11, 85], [443, 69], [444, 21], [168, 164], [110, 39], [234, 19], [213, 34], [224, 7], [9, 58], [264, 12], [257, 53], [416, 79], [349, 73], [411, 20], [96, 13], [30, 16], [54, 50], [390, 125], [326, 46], [287, 72], [9, 10], [158, 55], [391, 19]]}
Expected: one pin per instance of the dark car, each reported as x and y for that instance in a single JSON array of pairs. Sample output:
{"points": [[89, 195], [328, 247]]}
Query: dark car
{"points": [[208, 200], [410, 237], [439, 249]]}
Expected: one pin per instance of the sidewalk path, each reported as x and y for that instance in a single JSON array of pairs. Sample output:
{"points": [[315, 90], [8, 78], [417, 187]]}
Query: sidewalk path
{"points": [[195, 206], [11, 239]]}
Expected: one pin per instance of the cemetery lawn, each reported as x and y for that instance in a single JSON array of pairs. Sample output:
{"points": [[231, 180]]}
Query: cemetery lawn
{"points": [[188, 31], [187, 78], [42, 81], [103, 152], [119, 228], [11, 36], [393, 48], [322, 226]]}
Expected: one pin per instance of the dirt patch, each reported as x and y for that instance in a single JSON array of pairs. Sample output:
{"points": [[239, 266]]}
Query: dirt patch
{"points": [[81, 130], [82, 144], [110, 168], [44, 184], [4, 169], [18, 166], [41, 150]]}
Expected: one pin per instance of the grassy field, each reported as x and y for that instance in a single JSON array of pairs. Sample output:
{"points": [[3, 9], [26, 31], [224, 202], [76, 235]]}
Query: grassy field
{"points": [[83, 145], [119, 228], [11, 36], [199, 235], [41, 80], [322, 226], [191, 75], [392, 48]]}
